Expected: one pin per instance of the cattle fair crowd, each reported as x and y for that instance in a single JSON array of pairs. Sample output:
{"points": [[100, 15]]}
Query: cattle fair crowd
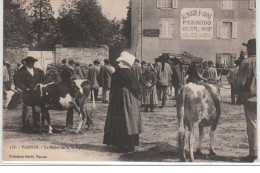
{"points": [[127, 83]]}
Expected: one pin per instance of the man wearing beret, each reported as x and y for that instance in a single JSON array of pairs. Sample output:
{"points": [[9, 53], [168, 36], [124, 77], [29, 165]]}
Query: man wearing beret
{"points": [[27, 79], [245, 82]]}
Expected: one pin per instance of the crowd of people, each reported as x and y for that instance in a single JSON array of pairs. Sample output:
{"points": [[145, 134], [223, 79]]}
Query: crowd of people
{"points": [[148, 82]]}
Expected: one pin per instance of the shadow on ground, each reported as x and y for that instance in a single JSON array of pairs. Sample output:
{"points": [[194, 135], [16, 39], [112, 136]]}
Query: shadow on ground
{"points": [[164, 152]]}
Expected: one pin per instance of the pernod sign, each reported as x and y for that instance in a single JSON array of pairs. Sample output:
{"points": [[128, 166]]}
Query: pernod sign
{"points": [[196, 23]]}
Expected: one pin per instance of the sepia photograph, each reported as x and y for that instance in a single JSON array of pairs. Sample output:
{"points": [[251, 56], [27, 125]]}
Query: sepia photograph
{"points": [[129, 82]]}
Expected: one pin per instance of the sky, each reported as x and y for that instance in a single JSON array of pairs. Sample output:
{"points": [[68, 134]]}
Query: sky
{"points": [[110, 8]]}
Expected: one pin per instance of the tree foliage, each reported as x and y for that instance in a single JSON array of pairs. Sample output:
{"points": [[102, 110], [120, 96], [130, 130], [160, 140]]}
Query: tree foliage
{"points": [[43, 24], [16, 24], [82, 23], [126, 29]]}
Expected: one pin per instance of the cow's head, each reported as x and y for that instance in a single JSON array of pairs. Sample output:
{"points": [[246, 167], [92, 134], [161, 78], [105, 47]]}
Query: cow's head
{"points": [[79, 87]]}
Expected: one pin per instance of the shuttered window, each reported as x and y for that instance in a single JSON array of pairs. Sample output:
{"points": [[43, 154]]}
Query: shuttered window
{"points": [[227, 5], [252, 5], [167, 3], [227, 30], [166, 28]]}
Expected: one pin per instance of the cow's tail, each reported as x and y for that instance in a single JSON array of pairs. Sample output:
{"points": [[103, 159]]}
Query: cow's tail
{"points": [[180, 100]]}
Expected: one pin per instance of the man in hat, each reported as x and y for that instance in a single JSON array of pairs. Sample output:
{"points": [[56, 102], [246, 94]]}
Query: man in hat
{"points": [[245, 82], [78, 70], [93, 77], [27, 78], [106, 76], [67, 73], [230, 77], [163, 73], [211, 73]]}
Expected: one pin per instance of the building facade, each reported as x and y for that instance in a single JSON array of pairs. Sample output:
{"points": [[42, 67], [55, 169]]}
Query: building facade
{"points": [[211, 29]]}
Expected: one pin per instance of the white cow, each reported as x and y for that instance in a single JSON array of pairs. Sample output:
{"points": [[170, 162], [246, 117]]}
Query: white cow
{"points": [[197, 106]]}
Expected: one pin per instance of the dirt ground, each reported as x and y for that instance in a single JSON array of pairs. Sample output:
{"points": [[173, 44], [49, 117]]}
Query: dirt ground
{"points": [[158, 143]]}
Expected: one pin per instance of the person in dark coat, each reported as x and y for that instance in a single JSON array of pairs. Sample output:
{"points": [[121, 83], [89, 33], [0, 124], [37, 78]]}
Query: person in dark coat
{"points": [[93, 77], [78, 70], [123, 122], [245, 82], [67, 73], [137, 70], [193, 75], [27, 79], [177, 75], [149, 92], [106, 74], [163, 73]]}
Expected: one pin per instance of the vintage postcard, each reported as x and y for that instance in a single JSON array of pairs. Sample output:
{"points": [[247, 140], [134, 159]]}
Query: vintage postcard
{"points": [[129, 81]]}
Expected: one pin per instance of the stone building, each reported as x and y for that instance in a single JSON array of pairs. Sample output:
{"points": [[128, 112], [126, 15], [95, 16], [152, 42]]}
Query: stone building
{"points": [[211, 29]]}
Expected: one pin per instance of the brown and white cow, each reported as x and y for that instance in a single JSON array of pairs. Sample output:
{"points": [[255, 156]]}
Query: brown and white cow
{"points": [[198, 106], [63, 96]]}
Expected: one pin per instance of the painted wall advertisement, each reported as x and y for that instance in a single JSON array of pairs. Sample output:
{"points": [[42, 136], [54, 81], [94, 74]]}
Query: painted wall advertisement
{"points": [[196, 23]]}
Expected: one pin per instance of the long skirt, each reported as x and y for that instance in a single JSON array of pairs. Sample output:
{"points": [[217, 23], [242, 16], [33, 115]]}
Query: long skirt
{"points": [[123, 123], [149, 97]]}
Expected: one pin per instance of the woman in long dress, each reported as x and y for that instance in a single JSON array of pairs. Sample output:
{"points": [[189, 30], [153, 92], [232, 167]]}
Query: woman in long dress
{"points": [[123, 122], [149, 81]]}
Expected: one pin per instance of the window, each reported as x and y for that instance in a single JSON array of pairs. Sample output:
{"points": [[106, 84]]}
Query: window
{"points": [[252, 4], [227, 5], [167, 3], [227, 30], [226, 59], [166, 28]]}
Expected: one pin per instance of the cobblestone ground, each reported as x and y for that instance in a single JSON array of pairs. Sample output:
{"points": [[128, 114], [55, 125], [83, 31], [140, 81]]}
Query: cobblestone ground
{"points": [[158, 143]]}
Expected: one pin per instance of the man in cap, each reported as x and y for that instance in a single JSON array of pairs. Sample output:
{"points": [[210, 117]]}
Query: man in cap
{"points": [[245, 82], [93, 77], [106, 76], [27, 78]]}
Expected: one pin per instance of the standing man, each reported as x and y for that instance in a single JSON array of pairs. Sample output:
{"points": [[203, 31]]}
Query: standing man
{"points": [[163, 73], [27, 79], [211, 73], [137, 70], [66, 75], [106, 76], [230, 77], [93, 76], [245, 82]]}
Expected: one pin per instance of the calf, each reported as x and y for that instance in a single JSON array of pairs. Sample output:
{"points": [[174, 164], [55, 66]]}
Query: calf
{"points": [[63, 96], [197, 106]]}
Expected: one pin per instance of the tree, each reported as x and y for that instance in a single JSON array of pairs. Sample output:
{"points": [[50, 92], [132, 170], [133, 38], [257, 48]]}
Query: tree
{"points": [[43, 24], [16, 24], [126, 29], [81, 23]]}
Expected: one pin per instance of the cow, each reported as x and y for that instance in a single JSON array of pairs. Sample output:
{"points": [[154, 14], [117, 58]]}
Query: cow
{"points": [[198, 106], [13, 98], [62, 96]]}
